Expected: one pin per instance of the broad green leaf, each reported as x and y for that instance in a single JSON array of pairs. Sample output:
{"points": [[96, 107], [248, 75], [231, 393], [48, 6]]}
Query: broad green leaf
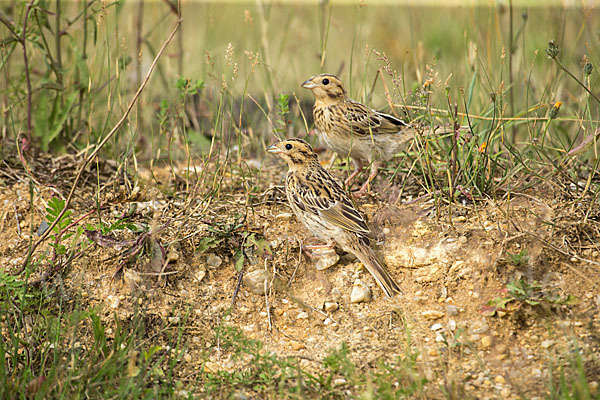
{"points": [[60, 120]]}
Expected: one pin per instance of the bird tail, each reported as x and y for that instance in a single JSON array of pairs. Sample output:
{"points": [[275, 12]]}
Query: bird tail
{"points": [[367, 256]]}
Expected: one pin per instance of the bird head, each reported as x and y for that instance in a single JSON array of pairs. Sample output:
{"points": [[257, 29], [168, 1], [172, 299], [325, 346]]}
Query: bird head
{"points": [[296, 152], [327, 88]]}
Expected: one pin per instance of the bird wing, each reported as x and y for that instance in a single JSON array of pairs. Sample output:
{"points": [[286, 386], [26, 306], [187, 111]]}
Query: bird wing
{"points": [[326, 199], [364, 121]]}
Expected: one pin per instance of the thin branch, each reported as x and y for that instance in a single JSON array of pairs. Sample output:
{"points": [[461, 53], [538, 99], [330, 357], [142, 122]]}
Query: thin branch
{"points": [[576, 79], [9, 25], [533, 119]]}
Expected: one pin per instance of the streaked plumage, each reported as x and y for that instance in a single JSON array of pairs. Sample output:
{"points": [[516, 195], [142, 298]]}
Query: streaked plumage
{"points": [[353, 130], [326, 210]]}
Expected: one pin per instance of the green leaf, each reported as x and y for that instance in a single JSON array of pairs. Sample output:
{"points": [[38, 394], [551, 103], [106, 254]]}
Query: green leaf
{"points": [[239, 260], [208, 242], [571, 300], [261, 245], [499, 303], [150, 352], [61, 117]]}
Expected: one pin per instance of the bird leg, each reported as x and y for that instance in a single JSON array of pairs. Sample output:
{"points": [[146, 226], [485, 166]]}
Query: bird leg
{"points": [[332, 161], [365, 187], [358, 166]]}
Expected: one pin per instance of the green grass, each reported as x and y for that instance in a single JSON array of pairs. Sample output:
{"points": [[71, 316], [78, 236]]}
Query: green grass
{"points": [[70, 353]]}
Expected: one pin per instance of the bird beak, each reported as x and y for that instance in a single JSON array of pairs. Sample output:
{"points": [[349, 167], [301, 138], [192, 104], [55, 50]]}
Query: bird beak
{"points": [[309, 84], [274, 149]]}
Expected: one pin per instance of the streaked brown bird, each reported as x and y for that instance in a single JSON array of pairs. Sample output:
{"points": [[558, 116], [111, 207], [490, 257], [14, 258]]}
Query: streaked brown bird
{"points": [[326, 210], [353, 130]]}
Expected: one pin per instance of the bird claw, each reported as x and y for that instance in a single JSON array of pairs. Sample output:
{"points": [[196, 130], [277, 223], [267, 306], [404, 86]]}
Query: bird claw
{"points": [[364, 190]]}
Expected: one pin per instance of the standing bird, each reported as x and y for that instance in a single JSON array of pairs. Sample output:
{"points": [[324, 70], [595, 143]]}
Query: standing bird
{"points": [[326, 210], [353, 130]]}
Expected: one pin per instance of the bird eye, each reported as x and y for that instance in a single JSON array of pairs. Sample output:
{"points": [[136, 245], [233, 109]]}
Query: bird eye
{"points": [[325, 81], [288, 146]]}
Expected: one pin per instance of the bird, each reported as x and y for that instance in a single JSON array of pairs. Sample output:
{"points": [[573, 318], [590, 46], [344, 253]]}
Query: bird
{"points": [[354, 130], [326, 210]]}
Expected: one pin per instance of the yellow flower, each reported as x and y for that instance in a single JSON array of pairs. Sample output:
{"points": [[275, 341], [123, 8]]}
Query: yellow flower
{"points": [[554, 109]]}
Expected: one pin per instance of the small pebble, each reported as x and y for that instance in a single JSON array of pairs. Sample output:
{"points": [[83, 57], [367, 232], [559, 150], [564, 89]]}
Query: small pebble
{"points": [[486, 341], [298, 346], [360, 292], [113, 301], [452, 325], [432, 314], [437, 327], [326, 258], [479, 327], [331, 306], [131, 276], [255, 281], [174, 320], [452, 310], [339, 381], [547, 344], [302, 315], [500, 380], [200, 275], [501, 348], [505, 392], [213, 260], [328, 321]]}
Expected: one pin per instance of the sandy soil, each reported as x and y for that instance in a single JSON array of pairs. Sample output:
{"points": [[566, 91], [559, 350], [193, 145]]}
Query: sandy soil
{"points": [[450, 262]]}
